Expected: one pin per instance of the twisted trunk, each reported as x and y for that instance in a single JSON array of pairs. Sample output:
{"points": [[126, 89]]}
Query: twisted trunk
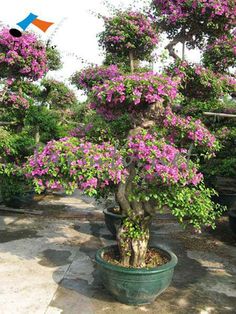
{"points": [[181, 37], [139, 250], [133, 250]]}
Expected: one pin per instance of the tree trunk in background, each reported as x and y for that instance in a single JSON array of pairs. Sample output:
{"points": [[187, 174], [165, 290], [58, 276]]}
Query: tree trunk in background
{"points": [[131, 59], [183, 51], [37, 135]]}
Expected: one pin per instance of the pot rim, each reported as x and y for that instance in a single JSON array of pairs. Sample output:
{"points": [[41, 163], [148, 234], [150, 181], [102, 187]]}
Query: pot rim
{"points": [[106, 212], [142, 271]]}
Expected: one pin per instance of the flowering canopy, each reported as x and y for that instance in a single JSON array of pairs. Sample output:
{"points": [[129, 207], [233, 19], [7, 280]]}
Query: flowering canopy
{"points": [[14, 101], [94, 75], [161, 162], [129, 31], [221, 54], [71, 163], [194, 130], [130, 93], [24, 56], [201, 83], [196, 17]]}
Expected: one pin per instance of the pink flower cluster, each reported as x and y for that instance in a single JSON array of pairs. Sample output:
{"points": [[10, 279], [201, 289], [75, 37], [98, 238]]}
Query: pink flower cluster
{"points": [[180, 10], [225, 40], [70, 164], [221, 54], [81, 131], [161, 162], [194, 130], [24, 56], [200, 82], [14, 101], [129, 31], [94, 75], [129, 93]]}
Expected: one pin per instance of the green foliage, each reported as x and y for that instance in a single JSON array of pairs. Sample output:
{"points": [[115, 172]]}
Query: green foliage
{"points": [[190, 204], [13, 185], [57, 95], [15, 147], [102, 131], [47, 122], [220, 55], [53, 58], [133, 227], [122, 62], [224, 163], [196, 107]]}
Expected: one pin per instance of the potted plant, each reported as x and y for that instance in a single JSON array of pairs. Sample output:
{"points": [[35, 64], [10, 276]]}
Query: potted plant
{"points": [[152, 167], [159, 175]]}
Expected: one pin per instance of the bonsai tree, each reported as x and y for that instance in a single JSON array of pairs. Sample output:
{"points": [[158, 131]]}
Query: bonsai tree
{"points": [[128, 35], [206, 87], [20, 58], [220, 55], [194, 22], [152, 167], [24, 102]]}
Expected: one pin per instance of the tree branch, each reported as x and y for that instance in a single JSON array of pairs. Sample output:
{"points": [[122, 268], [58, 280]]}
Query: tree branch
{"points": [[170, 48], [121, 198]]}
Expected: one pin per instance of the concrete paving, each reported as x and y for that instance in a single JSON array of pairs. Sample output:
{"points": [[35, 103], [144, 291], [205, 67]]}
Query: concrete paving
{"points": [[47, 266]]}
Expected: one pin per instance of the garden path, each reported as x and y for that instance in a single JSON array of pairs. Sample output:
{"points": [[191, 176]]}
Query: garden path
{"points": [[47, 263]]}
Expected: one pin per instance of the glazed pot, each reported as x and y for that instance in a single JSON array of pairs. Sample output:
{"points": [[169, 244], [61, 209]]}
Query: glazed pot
{"points": [[232, 220], [113, 221], [18, 201], [135, 286]]}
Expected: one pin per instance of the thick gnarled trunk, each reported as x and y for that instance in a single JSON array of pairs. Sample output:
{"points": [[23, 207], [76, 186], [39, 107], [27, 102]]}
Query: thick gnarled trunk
{"points": [[139, 250], [132, 250]]}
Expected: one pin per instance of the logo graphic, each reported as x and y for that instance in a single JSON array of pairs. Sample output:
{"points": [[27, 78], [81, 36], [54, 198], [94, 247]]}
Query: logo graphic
{"points": [[30, 19]]}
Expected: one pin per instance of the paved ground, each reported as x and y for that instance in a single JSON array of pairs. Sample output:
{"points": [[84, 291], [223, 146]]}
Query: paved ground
{"points": [[47, 265]]}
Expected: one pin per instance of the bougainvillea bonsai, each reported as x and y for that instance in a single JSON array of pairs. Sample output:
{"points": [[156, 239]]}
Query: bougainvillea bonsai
{"points": [[24, 103], [129, 34], [221, 54], [153, 167], [210, 85], [194, 21], [146, 174]]}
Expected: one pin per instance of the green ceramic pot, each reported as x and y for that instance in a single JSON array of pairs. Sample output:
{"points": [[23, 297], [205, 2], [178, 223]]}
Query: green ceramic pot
{"points": [[135, 286]]}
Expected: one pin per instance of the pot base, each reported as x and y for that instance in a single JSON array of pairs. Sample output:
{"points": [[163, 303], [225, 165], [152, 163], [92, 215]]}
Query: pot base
{"points": [[136, 286]]}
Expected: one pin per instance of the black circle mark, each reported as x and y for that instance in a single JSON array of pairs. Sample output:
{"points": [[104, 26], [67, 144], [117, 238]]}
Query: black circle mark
{"points": [[15, 32]]}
